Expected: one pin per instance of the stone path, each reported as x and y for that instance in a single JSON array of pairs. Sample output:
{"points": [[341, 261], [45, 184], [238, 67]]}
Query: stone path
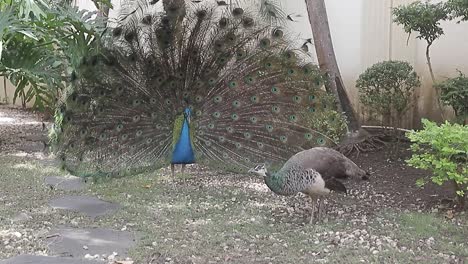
{"points": [[80, 245], [89, 206], [67, 245], [29, 259], [65, 183], [76, 243]]}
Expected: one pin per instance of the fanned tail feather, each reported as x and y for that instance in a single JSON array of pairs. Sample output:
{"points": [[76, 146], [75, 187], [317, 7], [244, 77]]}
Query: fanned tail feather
{"points": [[253, 98]]}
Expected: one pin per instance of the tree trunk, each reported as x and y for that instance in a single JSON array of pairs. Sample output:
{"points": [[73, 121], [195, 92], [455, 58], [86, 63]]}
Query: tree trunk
{"points": [[327, 61], [103, 9], [180, 4], [5, 89], [177, 3], [429, 64], [431, 71]]}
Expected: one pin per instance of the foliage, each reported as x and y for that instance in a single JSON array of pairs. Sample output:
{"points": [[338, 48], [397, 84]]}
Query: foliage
{"points": [[458, 9], [40, 45], [422, 17], [443, 150], [386, 87], [425, 18], [454, 92], [330, 123]]}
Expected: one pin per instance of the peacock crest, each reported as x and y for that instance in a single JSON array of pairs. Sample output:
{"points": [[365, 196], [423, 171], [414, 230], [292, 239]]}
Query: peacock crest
{"points": [[252, 97]]}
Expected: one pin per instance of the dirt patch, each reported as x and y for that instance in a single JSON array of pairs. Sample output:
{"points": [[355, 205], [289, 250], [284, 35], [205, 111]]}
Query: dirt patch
{"points": [[393, 177], [22, 130]]}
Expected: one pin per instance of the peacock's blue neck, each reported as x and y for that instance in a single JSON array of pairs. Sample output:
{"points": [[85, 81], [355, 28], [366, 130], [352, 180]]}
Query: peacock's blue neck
{"points": [[183, 151]]}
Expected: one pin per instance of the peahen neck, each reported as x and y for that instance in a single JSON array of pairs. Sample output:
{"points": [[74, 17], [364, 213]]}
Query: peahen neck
{"points": [[276, 182]]}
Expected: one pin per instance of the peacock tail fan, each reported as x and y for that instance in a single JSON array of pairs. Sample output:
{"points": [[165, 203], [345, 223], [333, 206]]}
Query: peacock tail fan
{"points": [[253, 98]]}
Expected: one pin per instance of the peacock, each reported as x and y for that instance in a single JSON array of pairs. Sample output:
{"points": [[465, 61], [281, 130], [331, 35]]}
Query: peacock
{"points": [[314, 172], [196, 83]]}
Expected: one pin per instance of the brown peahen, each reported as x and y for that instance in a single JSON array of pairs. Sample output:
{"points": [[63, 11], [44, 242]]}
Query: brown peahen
{"points": [[197, 83], [314, 172]]}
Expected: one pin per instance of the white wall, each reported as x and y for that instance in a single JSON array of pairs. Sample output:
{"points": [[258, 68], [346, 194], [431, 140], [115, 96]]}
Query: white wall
{"points": [[345, 27], [85, 4], [448, 53]]}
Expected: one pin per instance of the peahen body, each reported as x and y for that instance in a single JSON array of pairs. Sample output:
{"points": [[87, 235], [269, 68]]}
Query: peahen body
{"points": [[206, 84], [314, 172]]}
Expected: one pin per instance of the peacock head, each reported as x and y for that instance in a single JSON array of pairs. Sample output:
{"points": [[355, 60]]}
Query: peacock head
{"points": [[260, 170], [187, 114]]}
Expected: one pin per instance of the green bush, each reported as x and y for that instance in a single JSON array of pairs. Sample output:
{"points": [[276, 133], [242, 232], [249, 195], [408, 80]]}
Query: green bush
{"points": [[444, 151], [423, 18], [458, 9], [454, 92], [41, 44], [386, 88]]}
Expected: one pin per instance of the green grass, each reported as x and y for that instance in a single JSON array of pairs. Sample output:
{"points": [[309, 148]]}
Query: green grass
{"points": [[201, 219]]}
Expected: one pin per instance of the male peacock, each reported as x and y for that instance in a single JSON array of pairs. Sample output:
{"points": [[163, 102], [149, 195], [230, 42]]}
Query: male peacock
{"points": [[206, 84], [314, 172], [183, 151]]}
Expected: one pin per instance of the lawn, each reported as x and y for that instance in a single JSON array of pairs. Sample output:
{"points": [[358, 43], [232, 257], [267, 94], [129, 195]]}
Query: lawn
{"points": [[206, 217], [210, 217]]}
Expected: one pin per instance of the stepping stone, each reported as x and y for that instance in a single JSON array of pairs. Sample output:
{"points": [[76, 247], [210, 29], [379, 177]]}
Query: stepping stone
{"points": [[21, 217], [87, 205], [65, 183], [73, 242], [31, 147], [29, 259], [49, 162]]}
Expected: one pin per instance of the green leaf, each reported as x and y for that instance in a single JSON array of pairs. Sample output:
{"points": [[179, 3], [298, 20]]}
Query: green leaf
{"points": [[443, 150], [28, 34]]}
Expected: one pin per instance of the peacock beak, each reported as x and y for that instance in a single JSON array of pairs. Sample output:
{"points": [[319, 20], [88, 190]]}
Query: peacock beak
{"points": [[251, 170]]}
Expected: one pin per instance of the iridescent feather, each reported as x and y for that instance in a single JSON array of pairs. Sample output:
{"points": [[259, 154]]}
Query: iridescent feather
{"points": [[253, 98]]}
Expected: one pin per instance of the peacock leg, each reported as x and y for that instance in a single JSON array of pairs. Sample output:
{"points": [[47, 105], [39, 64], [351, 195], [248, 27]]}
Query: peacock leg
{"points": [[183, 169], [314, 201], [173, 172], [320, 209]]}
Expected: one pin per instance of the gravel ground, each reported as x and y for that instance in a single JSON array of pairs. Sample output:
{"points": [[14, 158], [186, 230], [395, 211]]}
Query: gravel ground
{"points": [[211, 217]]}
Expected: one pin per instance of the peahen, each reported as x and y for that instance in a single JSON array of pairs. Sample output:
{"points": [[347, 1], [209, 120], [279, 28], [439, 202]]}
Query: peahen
{"points": [[314, 172], [193, 83]]}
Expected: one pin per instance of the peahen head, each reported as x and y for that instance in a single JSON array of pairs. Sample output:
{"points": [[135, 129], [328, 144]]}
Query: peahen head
{"points": [[260, 170]]}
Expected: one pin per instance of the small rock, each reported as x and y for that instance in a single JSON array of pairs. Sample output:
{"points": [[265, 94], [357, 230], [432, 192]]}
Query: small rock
{"points": [[85, 247]]}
